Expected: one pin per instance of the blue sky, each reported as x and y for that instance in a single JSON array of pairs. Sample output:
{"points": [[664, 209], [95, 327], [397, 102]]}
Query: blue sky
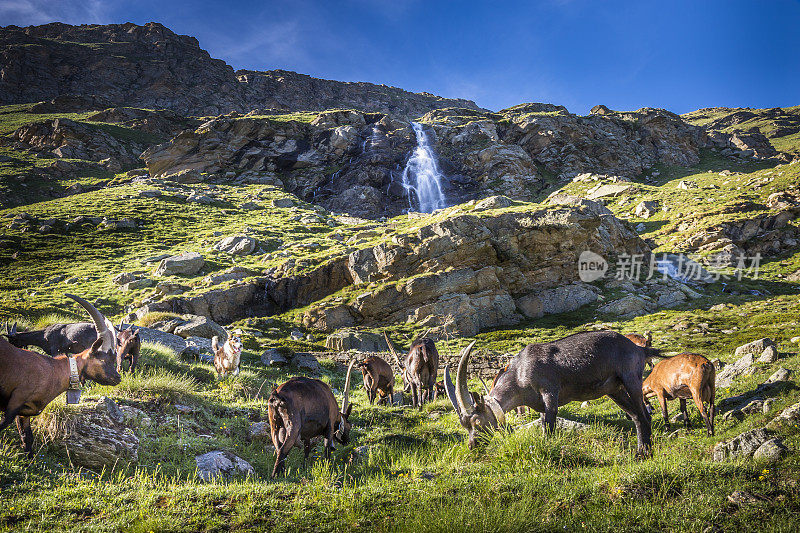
{"points": [[680, 55]]}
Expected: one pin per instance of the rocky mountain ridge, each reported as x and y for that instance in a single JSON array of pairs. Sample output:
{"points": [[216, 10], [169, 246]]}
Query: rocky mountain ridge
{"points": [[152, 67]]}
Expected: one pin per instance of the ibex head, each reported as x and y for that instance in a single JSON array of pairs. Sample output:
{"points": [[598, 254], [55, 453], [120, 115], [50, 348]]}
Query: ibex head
{"points": [[101, 360], [476, 413]]}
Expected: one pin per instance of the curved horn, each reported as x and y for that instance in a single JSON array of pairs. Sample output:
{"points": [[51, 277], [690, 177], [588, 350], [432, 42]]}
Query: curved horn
{"points": [[463, 396], [14, 329], [394, 353], [450, 389], [346, 400], [105, 328]]}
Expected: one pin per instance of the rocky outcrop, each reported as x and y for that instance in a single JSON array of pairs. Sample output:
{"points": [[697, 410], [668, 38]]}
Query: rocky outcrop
{"points": [[67, 139], [469, 273], [759, 130], [290, 91], [96, 436]]}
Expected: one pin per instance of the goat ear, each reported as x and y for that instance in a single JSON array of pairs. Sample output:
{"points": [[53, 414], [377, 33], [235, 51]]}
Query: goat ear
{"points": [[97, 345]]}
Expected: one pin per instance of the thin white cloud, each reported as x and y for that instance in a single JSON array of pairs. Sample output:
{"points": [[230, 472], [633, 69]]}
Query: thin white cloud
{"points": [[31, 12]]}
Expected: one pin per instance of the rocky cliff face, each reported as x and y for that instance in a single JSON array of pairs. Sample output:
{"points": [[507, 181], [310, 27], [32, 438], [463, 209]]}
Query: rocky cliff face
{"points": [[352, 161], [152, 67], [289, 91]]}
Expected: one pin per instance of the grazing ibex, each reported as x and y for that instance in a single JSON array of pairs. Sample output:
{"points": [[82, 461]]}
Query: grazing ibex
{"points": [[29, 380], [686, 375], [56, 338], [129, 347], [378, 379], [419, 369], [227, 356], [304, 408], [580, 367]]}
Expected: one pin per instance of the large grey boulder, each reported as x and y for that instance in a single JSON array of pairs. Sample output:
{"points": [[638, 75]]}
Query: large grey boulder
{"points": [[756, 347], [96, 437], [360, 341], [646, 209], [237, 245], [557, 300], [186, 264], [787, 417], [221, 464], [731, 372], [200, 326], [742, 446], [771, 451], [276, 357]]}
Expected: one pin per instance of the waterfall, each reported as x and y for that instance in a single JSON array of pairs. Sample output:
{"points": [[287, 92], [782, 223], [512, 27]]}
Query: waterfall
{"points": [[422, 176]]}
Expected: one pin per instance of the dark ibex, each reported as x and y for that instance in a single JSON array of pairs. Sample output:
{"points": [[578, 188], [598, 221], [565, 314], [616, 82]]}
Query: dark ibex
{"points": [[304, 408], [545, 376], [56, 338], [419, 369], [686, 375], [29, 380], [378, 379]]}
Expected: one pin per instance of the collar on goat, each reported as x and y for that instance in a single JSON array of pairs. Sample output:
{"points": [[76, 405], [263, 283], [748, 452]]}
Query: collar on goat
{"points": [[497, 411], [74, 390]]}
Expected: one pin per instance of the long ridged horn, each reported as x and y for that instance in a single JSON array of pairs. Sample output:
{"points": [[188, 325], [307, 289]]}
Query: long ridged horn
{"points": [[394, 353], [450, 389], [463, 396], [105, 328], [346, 400]]}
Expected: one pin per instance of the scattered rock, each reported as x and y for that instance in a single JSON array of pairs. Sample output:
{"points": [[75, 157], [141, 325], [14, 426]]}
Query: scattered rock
{"points": [[771, 451], [141, 283], [769, 355], [237, 245], [733, 371], [97, 438], [200, 326], [283, 202], [782, 374], [742, 446], [741, 497], [260, 431], [276, 357], [221, 464], [187, 264], [306, 362], [756, 347], [787, 417], [646, 209], [561, 423]]}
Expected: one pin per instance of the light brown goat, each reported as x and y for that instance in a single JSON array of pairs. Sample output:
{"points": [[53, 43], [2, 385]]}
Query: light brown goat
{"points": [[29, 380], [686, 375], [378, 379]]}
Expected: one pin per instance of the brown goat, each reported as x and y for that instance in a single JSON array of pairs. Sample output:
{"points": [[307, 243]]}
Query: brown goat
{"points": [[378, 379], [645, 341], [419, 369], [29, 380], [686, 375], [129, 347], [304, 408]]}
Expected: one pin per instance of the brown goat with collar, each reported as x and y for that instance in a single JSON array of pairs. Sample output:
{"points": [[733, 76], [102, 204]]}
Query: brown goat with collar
{"points": [[29, 380]]}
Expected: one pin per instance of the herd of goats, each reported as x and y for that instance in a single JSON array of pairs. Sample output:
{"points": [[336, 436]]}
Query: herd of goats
{"points": [[580, 367]]}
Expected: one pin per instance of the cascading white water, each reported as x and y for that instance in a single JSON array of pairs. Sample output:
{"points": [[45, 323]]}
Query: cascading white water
{"points": [[422, 176]]}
